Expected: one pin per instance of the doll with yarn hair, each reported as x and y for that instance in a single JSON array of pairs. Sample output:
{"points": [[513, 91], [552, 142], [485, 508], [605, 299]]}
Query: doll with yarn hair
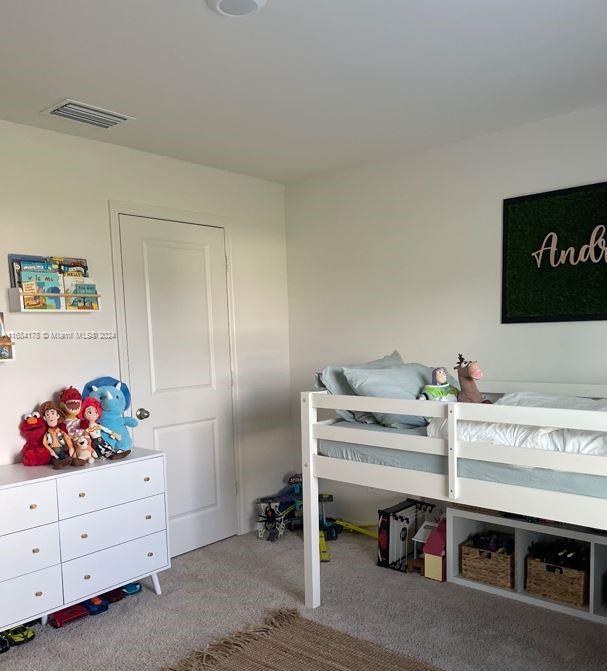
{"points": [[440, 389], [90, 414]]}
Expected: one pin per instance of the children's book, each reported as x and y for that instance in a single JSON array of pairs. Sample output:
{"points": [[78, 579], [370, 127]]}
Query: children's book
{"points": [[19, 263], [33, 263], [82, 292], [69, 266], [34, 284]]}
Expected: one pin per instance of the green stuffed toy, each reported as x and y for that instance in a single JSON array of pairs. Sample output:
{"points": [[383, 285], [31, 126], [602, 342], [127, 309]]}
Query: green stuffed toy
{"points": [[440, 389]]}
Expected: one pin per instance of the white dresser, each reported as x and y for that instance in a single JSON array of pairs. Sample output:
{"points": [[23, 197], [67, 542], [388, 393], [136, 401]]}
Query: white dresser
{"points": [[68, 535]]}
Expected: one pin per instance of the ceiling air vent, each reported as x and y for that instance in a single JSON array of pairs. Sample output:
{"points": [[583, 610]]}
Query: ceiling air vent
{"points": [[83, 113]]}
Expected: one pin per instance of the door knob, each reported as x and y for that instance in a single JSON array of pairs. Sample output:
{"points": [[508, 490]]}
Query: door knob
{"points": [[142, 413]]}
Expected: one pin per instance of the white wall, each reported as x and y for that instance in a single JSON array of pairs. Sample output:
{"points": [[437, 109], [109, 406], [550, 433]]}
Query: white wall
{"points": [[54, 193], [407, 253]]}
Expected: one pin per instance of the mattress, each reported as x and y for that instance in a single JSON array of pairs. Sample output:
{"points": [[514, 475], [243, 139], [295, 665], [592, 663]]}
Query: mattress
{"points": [[536, 478], [572, 441]]}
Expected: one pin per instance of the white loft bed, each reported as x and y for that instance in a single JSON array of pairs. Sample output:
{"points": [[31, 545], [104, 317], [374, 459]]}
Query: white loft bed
{"points": [[570, 508]]}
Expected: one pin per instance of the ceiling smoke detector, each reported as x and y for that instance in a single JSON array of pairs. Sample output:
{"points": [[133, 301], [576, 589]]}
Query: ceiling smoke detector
{"points": [[236, 7]]}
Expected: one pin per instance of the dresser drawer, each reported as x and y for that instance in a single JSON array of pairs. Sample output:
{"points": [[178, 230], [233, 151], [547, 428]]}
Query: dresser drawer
{"points": [[95, 531], [28, 551], [27, 506], [96, 573], [22, 599], [92, 489]]}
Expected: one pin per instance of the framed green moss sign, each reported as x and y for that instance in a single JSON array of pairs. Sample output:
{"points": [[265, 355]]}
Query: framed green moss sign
{"points": [[554, 265]]}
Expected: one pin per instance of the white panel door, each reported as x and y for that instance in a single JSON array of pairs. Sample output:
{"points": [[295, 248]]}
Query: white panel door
{"points": [[175, 294]]}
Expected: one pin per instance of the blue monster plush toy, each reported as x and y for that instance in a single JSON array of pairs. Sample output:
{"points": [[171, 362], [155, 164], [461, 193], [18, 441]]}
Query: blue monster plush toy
{"points": [[115, 398]]}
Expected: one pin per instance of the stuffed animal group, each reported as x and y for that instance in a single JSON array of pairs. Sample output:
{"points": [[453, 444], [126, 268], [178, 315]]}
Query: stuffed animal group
{"points": [[468, 373], [81, 427]]}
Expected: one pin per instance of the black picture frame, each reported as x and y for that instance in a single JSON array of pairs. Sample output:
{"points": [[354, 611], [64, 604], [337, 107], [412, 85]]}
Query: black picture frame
{"points": [[577, 211]]}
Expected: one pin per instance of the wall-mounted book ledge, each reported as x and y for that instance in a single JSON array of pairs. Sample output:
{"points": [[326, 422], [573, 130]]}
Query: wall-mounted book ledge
{"points": [[51, 284]]}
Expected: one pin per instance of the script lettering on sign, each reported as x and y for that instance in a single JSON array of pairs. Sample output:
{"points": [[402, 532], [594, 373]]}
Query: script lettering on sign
{"points": [[594, 251]]}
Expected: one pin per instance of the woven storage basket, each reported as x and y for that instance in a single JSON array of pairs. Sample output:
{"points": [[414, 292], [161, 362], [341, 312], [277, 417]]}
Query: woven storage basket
{"points": [[491, 568], [557, 583]]}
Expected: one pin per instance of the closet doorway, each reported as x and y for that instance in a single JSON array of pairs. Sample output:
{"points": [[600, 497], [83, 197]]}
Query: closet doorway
{"points": [[174, 327]]}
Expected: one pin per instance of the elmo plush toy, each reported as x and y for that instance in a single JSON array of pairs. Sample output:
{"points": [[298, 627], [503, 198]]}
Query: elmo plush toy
{"points": [[33, 427]]}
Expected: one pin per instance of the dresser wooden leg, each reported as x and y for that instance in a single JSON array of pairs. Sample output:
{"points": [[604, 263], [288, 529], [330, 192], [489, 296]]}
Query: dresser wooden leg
{"points": [[156, 583], [44, 620]]}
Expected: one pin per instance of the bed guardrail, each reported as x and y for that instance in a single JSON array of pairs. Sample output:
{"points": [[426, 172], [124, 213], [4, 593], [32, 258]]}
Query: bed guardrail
{"points": [[451, 447], [572, 508]]}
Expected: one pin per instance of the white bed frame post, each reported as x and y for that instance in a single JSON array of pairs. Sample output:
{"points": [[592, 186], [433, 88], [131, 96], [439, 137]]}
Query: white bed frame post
{"points": [[452, 449], [309, 446]]}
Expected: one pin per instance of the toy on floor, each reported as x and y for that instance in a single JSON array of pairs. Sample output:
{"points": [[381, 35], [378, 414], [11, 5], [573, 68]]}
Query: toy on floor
{"points": [[131, 589], [435, 555], [67, 615], [354, 528], [277, 510], [284, 511], [95, 605], [113, 596], [398, 527], [34, 453], [90, 414], [5, 646], [70, 402], [19, 635], [440, 389], [56, 438], [322, 546], [468, 372], [115, 399]]}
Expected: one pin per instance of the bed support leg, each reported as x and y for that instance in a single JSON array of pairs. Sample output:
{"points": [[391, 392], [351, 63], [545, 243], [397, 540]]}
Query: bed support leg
{"points": [[309, 415]]}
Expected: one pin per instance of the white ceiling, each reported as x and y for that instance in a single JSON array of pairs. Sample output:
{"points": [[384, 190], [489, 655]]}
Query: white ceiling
{"points": [[305, 86]]}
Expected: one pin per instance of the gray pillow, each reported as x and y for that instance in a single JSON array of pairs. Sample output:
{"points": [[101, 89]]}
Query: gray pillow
{"points": [[405, 381], [332, 379]]}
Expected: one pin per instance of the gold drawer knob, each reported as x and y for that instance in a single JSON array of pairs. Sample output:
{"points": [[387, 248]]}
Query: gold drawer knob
{"points": [[87, 577], [33, 506], [35, 551], [38, 593], [84, 535], [150, 554], [148, 517], [147, 478], [82, 495]]}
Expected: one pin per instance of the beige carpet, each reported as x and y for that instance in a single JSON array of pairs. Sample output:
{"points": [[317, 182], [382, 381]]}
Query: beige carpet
{"points": [[285, 640], [227, 586]]}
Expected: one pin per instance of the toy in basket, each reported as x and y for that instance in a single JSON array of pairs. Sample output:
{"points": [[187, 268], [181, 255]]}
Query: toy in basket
{"points": [[558, 570], [488, 557]]}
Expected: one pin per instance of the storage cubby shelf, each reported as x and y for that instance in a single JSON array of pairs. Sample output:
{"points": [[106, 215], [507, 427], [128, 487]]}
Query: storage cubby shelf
{"points": [[461, 523]]}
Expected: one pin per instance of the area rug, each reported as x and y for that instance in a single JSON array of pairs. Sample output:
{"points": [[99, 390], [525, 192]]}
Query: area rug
{"points": [[285, 641]]}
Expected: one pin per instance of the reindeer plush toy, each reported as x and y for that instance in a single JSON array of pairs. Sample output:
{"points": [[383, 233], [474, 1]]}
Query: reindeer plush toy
{"points": [[468, 372]]}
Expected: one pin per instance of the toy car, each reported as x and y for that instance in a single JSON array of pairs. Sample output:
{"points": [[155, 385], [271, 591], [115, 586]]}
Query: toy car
{"points": [[95, 606], [131, 588], [113, 595], [19, 635], [67, 615]]}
